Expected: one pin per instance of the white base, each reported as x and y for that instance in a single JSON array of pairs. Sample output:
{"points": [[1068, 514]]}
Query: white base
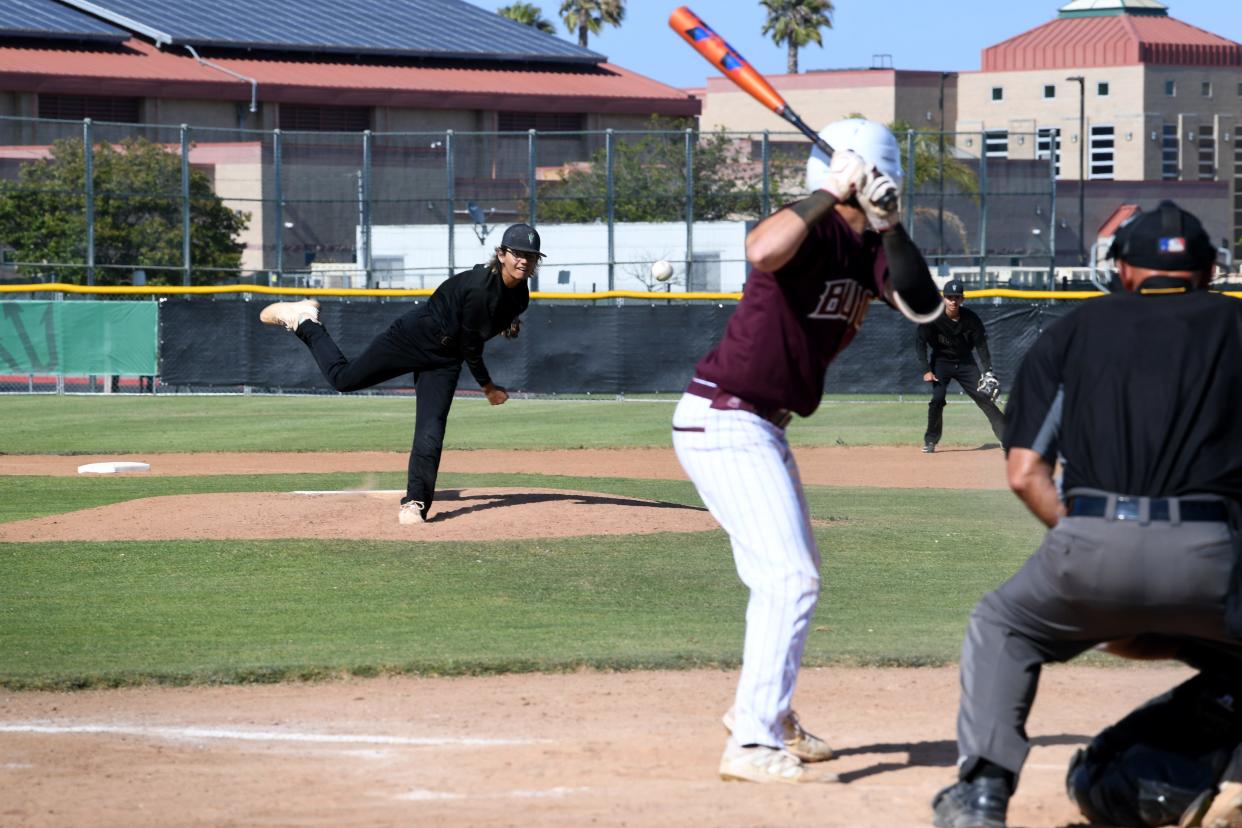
{"points": [[113, 467]]}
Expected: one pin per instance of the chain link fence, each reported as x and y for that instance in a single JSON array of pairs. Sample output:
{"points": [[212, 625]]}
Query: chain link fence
{"points": [[92, 203]]}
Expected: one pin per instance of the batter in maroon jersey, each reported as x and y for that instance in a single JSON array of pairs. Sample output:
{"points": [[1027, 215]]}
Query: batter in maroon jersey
{"points": [[816, 266]]}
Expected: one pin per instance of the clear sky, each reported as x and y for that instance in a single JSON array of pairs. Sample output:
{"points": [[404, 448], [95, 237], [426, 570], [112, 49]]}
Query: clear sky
{"points": [[917, 33]]}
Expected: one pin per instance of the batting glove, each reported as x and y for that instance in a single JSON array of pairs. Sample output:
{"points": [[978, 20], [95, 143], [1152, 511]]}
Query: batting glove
{"points": [[989, 385], [845, 176], [881, 201]]}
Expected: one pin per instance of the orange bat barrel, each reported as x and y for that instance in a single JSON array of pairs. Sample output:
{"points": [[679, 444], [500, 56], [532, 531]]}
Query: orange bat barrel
{"points": [[725, 58]]}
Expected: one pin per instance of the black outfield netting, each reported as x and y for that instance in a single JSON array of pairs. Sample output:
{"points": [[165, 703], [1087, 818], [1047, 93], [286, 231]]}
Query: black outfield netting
{"points": [[563, 349]]}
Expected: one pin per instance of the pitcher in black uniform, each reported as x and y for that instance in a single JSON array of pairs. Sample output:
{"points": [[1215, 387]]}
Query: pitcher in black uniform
{"points": [[952, 338], [432, 341], [1138, 395]]}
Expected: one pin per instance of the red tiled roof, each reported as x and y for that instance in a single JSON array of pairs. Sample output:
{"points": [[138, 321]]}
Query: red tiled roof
{"points": [[139, 69], [1117, 40]]}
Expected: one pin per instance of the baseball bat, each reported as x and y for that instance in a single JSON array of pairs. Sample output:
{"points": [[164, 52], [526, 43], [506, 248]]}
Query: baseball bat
{"points": [[737, 69]]}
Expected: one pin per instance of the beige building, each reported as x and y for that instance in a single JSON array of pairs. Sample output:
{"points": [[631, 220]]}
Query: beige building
{"points": [[1134, 92], [821, 97]]}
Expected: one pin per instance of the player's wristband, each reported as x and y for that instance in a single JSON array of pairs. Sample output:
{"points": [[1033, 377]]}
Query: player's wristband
{"points": [[814, 207]]}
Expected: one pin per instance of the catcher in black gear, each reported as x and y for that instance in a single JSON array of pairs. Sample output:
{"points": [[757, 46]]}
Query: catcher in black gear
{"points": [[952, 338]]}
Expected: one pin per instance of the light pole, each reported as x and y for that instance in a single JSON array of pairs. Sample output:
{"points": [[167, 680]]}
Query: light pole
{"points": [[1082, 165]]}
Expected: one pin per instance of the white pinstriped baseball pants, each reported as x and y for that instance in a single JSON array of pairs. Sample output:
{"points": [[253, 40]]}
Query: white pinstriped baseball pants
{"points": [[746, 475]]}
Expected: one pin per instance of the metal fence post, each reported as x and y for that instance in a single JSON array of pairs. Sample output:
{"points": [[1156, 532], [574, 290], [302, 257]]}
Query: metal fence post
{"points": [[88, 157], [531, 163], [765, 203], [983, 207], [909, 219], [1055, 143], [610, 194], [185, 205], [366, 205], [452, 196], [278, 193], [689, 204]]}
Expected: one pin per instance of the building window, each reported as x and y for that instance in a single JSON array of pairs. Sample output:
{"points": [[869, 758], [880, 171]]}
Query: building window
{"points": [[1207, 153], [1102, 151], [540, 121], [996, 143], [1170, 88], [313, 118], [1168, 153], [1101, 89], [1206, 87], [1048, 143], [1050, 91], [95, 107], [998, 93]]}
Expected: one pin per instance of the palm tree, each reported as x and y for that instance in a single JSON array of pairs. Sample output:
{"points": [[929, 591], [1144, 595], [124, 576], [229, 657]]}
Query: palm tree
{"points": [[797, 23], [527, 14], [585, 16]]}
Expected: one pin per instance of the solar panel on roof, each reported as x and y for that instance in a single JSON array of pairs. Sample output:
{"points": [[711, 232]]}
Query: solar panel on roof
{"points": [[50, 20], [421, 28]]}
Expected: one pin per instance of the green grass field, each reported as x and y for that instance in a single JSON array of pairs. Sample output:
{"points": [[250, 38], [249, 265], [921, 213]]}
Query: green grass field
{"points": [[902, 568]]}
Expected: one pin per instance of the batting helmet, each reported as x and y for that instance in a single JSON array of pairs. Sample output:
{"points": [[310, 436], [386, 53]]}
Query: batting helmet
{"points": [[872, 141]]}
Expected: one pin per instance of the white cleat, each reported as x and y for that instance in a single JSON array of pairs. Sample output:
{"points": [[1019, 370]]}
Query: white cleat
{"points": [[411, 514], [290, 314], [800, 742], [759, 763]]}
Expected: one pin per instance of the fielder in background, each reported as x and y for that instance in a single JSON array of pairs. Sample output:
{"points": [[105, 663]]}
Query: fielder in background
{"points": [[816, 266], [952, 339], [1138, 393], [432, 341]]}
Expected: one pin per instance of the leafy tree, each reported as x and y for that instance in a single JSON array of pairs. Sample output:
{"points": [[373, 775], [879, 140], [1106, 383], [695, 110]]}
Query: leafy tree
{"points": [[796, 23], [527, 14], [927, 159], [583, 16], [649, 180], [138, 221]]}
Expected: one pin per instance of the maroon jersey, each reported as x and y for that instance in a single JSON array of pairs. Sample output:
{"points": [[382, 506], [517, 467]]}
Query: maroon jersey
{"points": [[791, 324]]}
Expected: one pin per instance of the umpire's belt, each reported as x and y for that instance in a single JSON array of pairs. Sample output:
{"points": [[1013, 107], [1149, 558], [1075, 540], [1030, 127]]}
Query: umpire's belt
{"points": [[1158, 508], [724, 401]]}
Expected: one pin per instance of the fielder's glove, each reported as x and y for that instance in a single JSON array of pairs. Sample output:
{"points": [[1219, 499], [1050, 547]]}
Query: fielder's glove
{"points": [[989, 385], [881, 201], [513, 330], [846, 175]]}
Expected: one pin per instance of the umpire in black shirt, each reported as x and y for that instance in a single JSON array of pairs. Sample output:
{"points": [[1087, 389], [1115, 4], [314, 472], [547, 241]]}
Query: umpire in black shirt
{"points": [[432, 341], [952, 337], [1139, 394]]}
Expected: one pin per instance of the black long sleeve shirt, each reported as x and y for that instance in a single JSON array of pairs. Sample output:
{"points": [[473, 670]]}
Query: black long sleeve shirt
{"points": [[952, 339], [473, 306]]}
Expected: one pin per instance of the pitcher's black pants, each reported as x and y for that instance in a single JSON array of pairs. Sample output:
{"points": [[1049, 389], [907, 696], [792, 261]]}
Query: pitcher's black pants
{"points": [[412, 344], [967, 376]]}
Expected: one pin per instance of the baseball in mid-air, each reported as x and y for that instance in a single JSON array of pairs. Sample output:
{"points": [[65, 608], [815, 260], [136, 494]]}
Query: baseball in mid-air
{"points": [[662, 271]]}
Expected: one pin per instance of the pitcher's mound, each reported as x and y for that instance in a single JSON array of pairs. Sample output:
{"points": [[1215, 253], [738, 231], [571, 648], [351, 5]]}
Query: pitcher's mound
{"points": [[465, 514]]}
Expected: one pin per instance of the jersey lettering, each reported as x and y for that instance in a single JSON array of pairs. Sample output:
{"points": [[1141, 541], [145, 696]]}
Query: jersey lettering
{"points": [[844, 300]]}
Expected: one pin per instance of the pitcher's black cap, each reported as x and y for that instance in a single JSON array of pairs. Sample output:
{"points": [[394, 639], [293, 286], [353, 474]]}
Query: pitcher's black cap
{"points": [[521, 237]]}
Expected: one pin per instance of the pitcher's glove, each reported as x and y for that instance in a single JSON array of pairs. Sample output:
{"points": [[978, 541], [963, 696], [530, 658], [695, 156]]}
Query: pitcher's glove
{"points": [[989, 385]]}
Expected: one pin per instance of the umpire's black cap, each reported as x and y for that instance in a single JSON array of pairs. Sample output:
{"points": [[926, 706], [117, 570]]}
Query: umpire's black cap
{"points": [[1167, 238], [522, 238], [954, 287]]}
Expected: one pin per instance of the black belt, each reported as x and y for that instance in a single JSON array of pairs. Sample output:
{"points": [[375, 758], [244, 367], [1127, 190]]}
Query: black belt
{"points": [[724, 401], [1130, 508]]}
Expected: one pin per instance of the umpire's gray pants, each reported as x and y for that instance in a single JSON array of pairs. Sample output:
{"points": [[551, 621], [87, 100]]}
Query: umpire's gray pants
{"points": [[1091, 580]]}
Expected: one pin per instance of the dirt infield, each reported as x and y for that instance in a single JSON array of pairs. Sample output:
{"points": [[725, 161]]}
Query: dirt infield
{"points": [[889, 466], [634, 749]]}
